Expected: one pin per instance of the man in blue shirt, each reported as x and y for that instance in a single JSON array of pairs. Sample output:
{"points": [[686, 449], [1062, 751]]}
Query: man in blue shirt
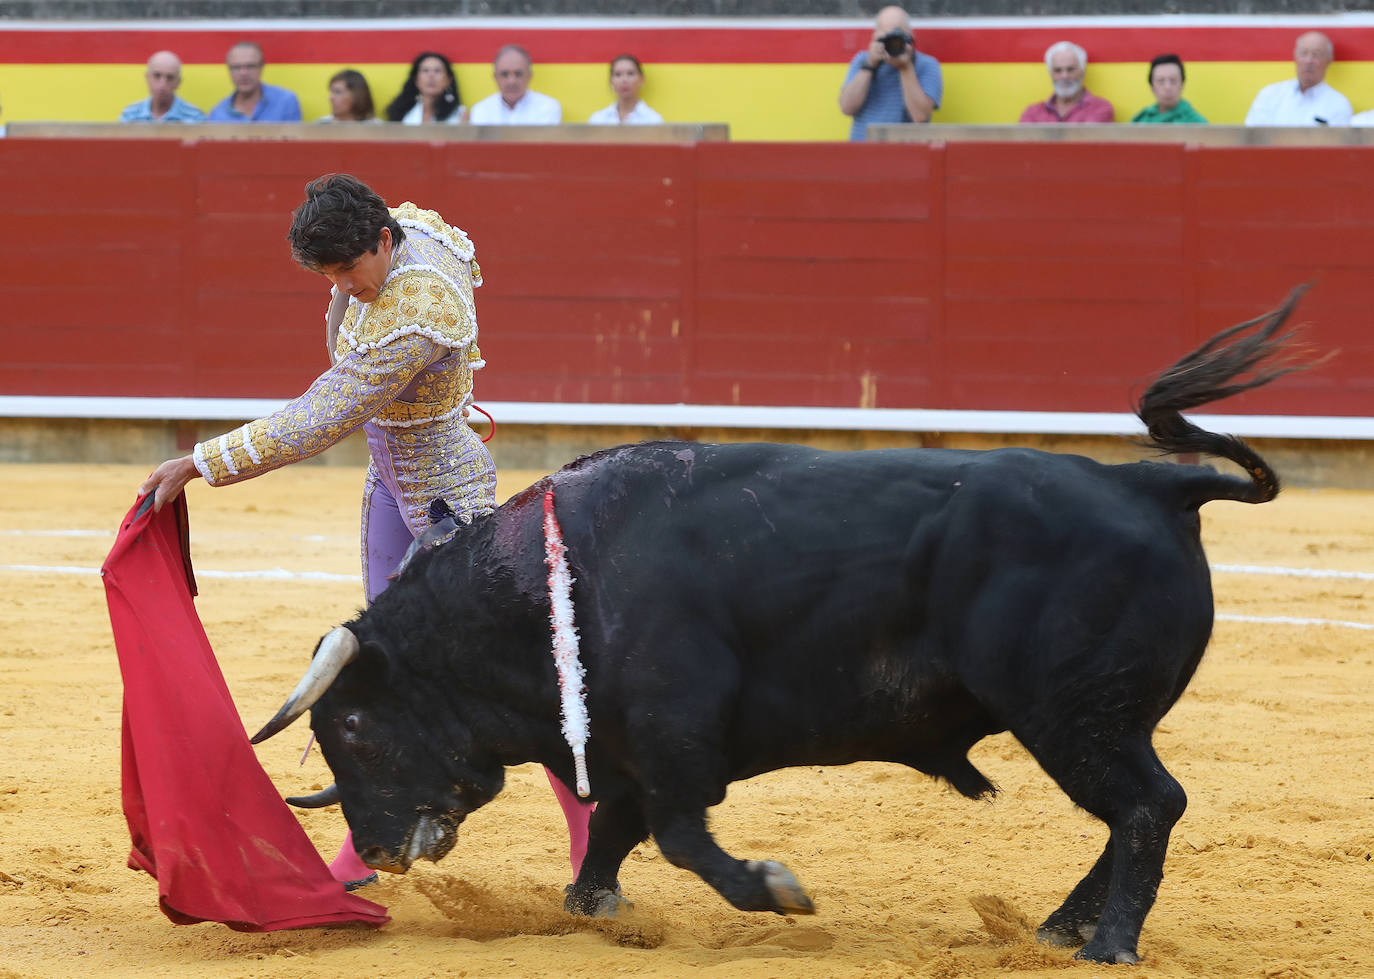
{"points": [[162, 104], [252, 101], [890, 81]]}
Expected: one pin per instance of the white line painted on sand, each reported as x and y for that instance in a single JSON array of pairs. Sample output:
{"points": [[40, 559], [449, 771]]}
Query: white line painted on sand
{"points": [[1291, 620], [265, 574], [1292, 572]]}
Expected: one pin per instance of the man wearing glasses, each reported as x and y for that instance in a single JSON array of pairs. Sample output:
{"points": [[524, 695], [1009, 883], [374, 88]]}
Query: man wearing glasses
{"points": [[251, 100]]}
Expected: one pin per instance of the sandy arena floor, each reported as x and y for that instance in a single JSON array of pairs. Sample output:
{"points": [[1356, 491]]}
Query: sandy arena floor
{"points": [[1269, 872]]}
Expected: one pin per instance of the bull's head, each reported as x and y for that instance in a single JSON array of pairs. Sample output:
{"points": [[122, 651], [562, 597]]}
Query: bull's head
{"points": [[406, 780]]}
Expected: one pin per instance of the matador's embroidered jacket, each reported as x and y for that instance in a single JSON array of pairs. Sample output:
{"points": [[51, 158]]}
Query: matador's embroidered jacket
{"points": [[403, 369]]}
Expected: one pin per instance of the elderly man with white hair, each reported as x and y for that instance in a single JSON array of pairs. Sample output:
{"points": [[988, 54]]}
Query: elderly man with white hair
{"points": [[1305, 100], [163, 76], [1071, 101]]}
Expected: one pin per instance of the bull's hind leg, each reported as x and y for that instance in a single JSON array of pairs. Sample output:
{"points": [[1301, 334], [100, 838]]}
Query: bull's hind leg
{"points": [[1127, 787], [617, 826]]}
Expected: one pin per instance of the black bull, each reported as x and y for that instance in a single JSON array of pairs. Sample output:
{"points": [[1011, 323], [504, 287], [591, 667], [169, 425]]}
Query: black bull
{"points": [[745, 608]]}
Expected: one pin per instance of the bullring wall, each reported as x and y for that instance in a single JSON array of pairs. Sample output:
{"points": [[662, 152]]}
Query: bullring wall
{"points": [[1041, 276]]}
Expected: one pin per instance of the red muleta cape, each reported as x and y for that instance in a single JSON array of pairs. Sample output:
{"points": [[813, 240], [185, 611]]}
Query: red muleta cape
{"points": [[205, 819]]}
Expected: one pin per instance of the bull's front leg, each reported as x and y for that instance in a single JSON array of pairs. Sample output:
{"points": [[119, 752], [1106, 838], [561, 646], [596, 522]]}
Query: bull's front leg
{"points": [[750, 885], [1075, 922], [677, 734], [617, 827]]}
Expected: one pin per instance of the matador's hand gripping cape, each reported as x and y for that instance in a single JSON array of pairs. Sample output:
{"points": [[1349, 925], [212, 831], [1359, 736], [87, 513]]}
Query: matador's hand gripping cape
{"points": [[205, 819]]}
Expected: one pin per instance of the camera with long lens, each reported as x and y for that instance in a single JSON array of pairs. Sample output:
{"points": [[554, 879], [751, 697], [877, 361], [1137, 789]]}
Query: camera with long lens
{"points": [[895, 42]]}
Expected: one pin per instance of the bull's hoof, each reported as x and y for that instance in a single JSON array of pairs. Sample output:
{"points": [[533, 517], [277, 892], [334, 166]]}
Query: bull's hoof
{"points": [[1065, 936], [603, 902], [353, 885], [1120, 957], [786, 891]]}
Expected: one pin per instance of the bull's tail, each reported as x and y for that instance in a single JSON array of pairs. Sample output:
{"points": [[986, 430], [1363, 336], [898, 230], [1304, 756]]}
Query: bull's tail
{"points": [[1245, 356]]}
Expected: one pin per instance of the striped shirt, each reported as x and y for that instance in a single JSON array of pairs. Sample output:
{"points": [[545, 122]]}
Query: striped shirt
{"points": [[884, 102], [181, 111]]}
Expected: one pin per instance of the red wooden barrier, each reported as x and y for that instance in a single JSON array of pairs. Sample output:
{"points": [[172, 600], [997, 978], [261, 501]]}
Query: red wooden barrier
{"points": [[1034, 276]]}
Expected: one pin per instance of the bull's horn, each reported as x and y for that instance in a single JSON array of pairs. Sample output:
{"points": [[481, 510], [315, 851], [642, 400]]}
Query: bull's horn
{"points": [[336, 651], [328, 796]]}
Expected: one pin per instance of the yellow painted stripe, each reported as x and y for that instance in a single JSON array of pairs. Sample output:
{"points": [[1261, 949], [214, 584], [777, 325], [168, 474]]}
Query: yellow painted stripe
{"points": [[759, 102]]}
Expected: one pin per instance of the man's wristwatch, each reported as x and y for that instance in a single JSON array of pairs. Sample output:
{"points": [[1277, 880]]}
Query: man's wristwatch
{"points": [[867, 67]]}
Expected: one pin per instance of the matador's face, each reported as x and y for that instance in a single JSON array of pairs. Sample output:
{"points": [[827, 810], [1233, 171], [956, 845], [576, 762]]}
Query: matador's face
{"points": [[363, 277]]}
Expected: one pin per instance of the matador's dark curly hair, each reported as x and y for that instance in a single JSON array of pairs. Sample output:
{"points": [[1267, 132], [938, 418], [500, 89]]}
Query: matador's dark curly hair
{"points": [[340, 219]]}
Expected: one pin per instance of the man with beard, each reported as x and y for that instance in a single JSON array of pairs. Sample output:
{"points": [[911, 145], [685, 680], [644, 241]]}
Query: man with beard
{"points": [[1071, 101]]}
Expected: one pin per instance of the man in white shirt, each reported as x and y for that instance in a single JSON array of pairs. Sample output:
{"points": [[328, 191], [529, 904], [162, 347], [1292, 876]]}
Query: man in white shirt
{"points": [[1305, 100], [515, 104]]}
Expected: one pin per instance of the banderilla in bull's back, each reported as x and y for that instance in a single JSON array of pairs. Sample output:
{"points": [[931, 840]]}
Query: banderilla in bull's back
{"points": [[743, 608]]}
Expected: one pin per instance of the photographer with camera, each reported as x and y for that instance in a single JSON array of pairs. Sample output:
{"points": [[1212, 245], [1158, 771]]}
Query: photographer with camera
{"points": [[890, 81]]}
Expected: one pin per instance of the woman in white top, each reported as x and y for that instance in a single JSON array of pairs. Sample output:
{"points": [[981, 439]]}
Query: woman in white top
{"points": [[430, 93], [627, 78]]}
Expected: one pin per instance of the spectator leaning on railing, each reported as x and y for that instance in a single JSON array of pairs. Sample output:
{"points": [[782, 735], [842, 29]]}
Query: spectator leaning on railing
{"points": [[514, 104], [890, 81], [1305, 100], [350, 98], [252, 100], [430, 93], [163, 76], [627, 78], [1071, 101], [1166, 81]]}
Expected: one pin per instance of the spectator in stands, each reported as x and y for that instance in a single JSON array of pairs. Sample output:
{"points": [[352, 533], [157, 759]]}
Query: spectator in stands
{"points": [[1166, 81], [1071, 101], [163, 76], [253, 100], [515, 104], [430, 93], [1305, 100], [350, 98], [890, 81], [627, 78]]}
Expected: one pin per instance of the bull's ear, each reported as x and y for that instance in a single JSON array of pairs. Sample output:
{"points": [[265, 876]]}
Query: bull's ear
{"points": [[372, 669]]}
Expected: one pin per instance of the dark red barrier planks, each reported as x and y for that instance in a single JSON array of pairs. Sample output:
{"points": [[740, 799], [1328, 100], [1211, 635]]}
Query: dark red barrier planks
{"points": [[1010, 276]]}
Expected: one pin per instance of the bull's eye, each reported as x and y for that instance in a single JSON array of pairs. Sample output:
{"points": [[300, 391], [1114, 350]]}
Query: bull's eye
{"points": [[351, 723]]}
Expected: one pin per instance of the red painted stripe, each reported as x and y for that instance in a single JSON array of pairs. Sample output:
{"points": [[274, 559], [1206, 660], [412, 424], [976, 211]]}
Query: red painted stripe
{"points": [[706, 45]]}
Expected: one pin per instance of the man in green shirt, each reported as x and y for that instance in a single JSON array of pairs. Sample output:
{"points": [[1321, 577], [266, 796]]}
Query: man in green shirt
{"points": [[1166, 81]]}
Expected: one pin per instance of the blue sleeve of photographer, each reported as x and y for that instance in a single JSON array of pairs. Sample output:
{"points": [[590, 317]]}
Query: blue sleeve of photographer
{"points": [[884, 102], [928, 74]]}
